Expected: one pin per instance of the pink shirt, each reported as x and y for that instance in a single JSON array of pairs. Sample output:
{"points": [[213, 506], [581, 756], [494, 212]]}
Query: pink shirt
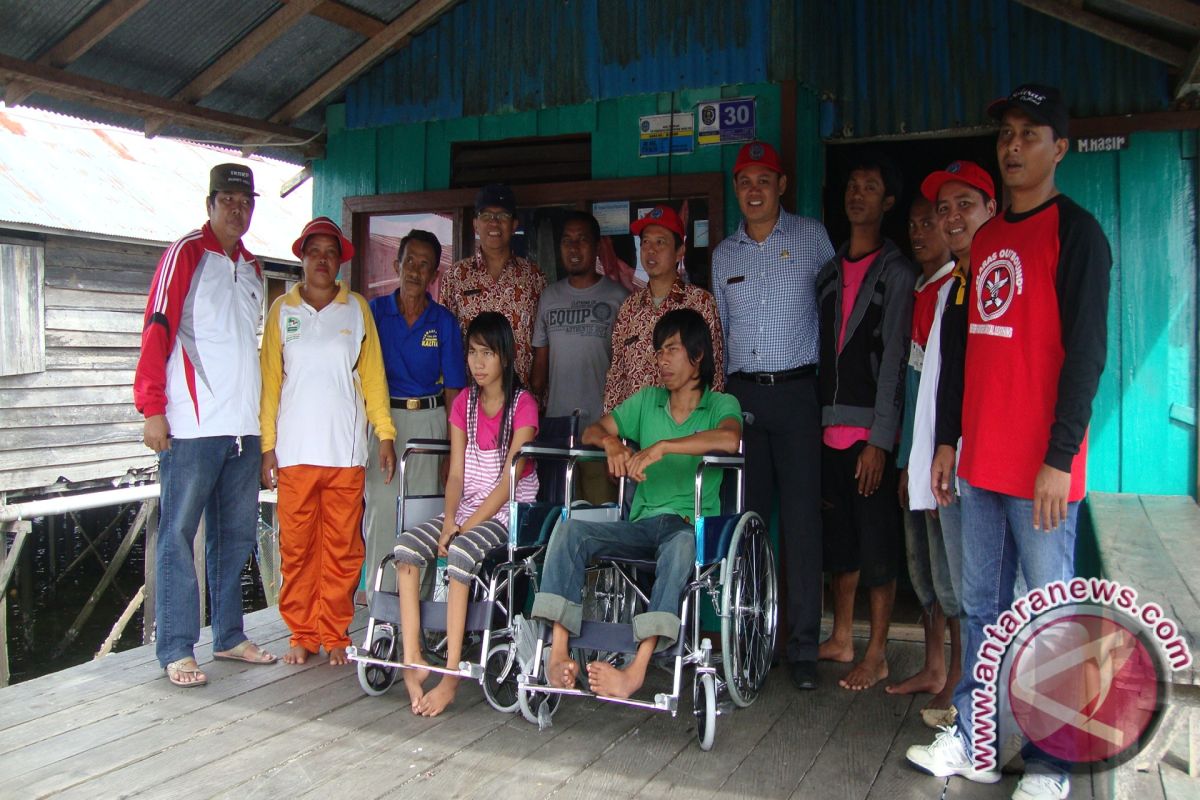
{"points": [[483, 462], [526, 416], [841, 437]]}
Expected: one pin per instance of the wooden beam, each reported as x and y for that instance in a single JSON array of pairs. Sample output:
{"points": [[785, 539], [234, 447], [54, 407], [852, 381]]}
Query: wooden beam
{"points": [[1114, 32], [77, 87], [103, 21], [82, 37], [135, 530], [349, 18], [394, 35], [296, 181], [1178, 12], [1189, 76], [247, 48]]}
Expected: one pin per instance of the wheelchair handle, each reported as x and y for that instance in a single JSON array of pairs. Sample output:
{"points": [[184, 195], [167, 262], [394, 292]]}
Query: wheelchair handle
{"points": [[420, 447]]}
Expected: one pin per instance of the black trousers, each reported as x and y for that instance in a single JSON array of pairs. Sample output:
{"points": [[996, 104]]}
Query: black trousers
{"points": [[783, 460]]}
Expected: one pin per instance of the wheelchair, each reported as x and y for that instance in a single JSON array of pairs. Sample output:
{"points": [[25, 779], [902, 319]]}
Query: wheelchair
{"points": [[735, 570], [497, 594]]}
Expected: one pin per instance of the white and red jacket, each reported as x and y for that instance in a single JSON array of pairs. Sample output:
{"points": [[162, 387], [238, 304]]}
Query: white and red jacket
{"points": [[199, 359]]}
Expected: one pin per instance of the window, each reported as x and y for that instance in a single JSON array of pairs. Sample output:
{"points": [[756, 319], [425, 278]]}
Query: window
{"points": [[22, 332]]}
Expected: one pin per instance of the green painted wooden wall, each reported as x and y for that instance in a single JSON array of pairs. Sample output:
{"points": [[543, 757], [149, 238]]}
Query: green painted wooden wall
{"points": [[1143, 435], [416, 157]]}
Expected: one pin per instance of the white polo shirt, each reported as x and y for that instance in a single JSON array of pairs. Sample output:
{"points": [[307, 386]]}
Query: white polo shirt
{"points": [[323, 379]]}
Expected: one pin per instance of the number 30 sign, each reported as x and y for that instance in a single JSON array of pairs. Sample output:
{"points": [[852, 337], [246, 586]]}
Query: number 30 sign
{"points": [[726, 121]]}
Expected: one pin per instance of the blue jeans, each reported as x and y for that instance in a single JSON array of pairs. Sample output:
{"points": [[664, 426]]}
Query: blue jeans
{"points": [[950, 521], [668, 539], [928, 567], [998, 536], [216, 476]]}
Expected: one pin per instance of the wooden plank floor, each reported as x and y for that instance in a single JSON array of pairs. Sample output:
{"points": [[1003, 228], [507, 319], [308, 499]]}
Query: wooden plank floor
{"points": [[115, 728]]}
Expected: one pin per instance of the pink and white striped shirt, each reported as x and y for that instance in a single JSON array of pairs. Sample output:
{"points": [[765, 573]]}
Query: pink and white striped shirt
{"points": [[484, 461]]}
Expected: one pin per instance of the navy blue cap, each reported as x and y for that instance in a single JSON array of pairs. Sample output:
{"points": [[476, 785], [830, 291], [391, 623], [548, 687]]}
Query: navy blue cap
{"points": [[496, 195]]}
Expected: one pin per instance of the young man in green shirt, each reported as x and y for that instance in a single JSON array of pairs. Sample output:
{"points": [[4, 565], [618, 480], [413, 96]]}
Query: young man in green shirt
{"points": [[675, 425]]}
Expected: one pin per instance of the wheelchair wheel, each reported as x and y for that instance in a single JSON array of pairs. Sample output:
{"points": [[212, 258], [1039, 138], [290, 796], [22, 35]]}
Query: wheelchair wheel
{"points": [[608, 599], [531, 703], [749, 610], [374, 679], [500, 677], [704, 706]]}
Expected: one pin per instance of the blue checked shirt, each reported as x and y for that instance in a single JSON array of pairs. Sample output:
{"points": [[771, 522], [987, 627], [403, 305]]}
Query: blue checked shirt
{"points": [[767, 296]]}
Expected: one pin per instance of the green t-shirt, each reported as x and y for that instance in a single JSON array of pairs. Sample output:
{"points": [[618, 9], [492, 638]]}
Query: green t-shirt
{"points": [[670, 484]]}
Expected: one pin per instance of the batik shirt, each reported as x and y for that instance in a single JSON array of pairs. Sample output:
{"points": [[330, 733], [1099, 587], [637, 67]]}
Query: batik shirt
{"points": [[633, 364], [467, 290]]}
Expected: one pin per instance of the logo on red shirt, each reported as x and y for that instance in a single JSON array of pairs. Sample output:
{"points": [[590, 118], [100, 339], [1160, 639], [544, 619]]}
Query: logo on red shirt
{"points": [[1000, 279]]}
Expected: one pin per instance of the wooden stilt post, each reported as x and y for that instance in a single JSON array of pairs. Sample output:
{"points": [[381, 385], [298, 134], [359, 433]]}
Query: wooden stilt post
{"points": [[11, 556], [126, 545], [151, 572]]}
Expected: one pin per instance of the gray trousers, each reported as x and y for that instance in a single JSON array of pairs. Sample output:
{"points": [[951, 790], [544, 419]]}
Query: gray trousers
{"points": [[379, 517]]}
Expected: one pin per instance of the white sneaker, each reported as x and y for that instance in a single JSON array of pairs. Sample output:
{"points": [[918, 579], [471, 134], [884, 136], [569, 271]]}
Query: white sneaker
{"points": [[948, 756], [1037, 786]]}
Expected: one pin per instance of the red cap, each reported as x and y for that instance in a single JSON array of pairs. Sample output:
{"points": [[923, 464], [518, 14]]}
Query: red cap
{"points": [[968, 172], [659, 215], [757, 153], [326, 226]]}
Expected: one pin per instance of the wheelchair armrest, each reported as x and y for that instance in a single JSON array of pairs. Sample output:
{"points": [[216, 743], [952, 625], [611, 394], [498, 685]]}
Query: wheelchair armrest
{"points": [[722, 461], [426, 447], [551, 452]]}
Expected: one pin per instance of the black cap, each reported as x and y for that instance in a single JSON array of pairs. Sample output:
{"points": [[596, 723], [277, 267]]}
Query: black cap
{"points": [[231, 178], [496, 195], [1043, 103]]}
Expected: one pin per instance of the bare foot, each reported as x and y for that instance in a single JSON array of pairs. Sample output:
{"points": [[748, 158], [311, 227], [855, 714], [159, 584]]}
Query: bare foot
{"points": [[865, 674], [831, 650], [608, 681], [414, 682], [296, 654], [927, 680], [563, 674], [436, 699], [337, 657]]}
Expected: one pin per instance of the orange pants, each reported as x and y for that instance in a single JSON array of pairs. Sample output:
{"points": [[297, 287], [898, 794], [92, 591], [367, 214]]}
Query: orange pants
{"points": [[320, 552]]}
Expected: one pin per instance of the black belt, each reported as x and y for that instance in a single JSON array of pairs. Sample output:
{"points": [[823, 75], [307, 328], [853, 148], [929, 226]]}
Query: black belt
{"points": [[772, 378], [419, 403]]}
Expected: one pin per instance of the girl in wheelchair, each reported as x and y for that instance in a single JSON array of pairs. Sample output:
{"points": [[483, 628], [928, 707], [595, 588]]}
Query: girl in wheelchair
{"points": [[488, 424], [676, 424]]}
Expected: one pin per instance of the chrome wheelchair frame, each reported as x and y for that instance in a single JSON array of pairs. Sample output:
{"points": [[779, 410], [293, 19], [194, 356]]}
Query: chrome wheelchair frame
{"points": [[492, 615], [735, 568]]}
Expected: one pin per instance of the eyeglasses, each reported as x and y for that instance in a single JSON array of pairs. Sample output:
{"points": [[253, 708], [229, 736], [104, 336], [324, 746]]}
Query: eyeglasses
{"points": [[494, 216]]}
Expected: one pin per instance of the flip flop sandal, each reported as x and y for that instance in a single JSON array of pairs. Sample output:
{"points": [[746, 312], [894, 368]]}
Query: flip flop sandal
{"points": [[939, 717], [247, 652], [185, 666]]}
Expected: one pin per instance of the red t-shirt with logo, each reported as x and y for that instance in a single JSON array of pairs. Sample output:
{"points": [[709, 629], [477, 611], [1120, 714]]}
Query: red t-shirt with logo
{"points": [[1036, 345]]}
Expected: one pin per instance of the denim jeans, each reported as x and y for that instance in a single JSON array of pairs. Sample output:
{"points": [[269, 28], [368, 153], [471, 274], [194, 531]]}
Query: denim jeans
{"points": [[998, 536], [667, 538], [928, 567], [216, 476], [950, 521]]}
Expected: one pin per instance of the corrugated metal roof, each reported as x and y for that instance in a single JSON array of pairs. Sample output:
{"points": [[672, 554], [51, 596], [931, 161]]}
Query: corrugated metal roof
{"points": [[887, 68], [487, 56], [28, 28], [68, 174], [165, 44]]}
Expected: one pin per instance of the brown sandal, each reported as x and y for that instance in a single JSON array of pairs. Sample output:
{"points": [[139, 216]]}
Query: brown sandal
{"points": [[177, 670], [247, 652]]}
